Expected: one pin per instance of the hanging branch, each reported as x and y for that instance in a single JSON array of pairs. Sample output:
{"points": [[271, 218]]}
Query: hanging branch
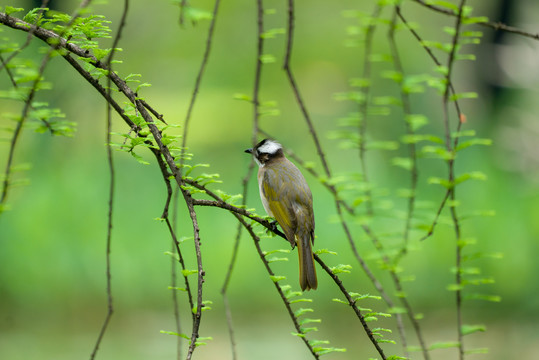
{"points": [[364, 104], [27, 106], [451, 177], [271, 274], [457, 108], [295, 89], [110, 307], [173, 272], [406, 106], [245, 180], [198, 80]]}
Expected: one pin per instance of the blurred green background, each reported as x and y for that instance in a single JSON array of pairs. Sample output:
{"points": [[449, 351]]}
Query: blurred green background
{"points": [[52, 240]]}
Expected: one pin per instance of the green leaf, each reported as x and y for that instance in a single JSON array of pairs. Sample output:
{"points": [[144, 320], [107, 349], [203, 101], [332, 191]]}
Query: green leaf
{"points": [[396, 76], [243, 97], [450, 30], [308, 321], [34, 16], [267, 58], [300, 300], [474, 175], [187, 272], [416, 121], [324, 251], [101, 53], [139, 158], [415, 138], [477, 141], [309, 329], [140, 86], [200, 343], [176, 288], [340, 301], [475, 20], [341, 268], [272, 33], [196, 15], [403, 162], [471, 33], [327, 350], [470, 329], [175, 334], [438, 152], [470, 57], [356, 96], [477, 296], [302, 311], [360, 82], [11, 10], [276, 278], [445, 4], [283, 251], [464, 95], [439, 181], [381, 58], [455, 287], [386, 341], [444, 345]]}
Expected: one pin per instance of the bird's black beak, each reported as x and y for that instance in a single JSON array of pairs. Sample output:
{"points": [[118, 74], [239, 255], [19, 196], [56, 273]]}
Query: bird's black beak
{"points": [[249, 151]]}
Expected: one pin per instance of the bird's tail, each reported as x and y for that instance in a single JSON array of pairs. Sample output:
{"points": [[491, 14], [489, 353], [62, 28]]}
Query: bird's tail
{"points": [[307, 271]]}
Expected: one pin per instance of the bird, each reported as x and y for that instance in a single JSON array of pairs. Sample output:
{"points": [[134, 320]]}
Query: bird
{"points": [[286, 197]]}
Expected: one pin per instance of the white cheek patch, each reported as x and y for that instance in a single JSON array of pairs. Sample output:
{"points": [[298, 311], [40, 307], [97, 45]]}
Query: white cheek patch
{"points": [[270, 147]]}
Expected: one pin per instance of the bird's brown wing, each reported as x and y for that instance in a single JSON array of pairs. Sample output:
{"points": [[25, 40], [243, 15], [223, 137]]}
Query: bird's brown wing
{"points": [[285, 190], [277, 187]]}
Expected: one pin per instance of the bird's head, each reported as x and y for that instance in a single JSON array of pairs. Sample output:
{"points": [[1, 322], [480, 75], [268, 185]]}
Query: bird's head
{"points": [[265, 151]]}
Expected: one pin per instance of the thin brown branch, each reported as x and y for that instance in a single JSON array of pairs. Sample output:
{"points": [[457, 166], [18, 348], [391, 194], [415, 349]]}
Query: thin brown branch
{"points": [[352, 304], [165, 215], [258, 69], [451, 176], [460, 115], [287, 68], [110, 161], [406, 106], [28, 105], [173, 270], [245, 181], [232, 263], [364, 105], [270, 272], [198, 80]]}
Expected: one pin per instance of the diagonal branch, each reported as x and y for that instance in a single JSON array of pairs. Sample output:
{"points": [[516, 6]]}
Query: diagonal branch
{"points": [[498, 26]]}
